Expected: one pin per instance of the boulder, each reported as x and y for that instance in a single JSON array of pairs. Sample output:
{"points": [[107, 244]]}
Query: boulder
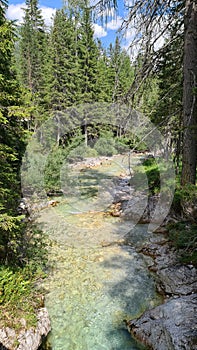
{"points": [[27, 339], [170, 326], [178, 279]]}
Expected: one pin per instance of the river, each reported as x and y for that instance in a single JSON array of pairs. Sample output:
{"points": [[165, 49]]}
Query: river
{"points": [[94, 280]]}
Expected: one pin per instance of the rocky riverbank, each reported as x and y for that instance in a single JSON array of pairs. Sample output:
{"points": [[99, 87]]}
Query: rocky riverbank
{"points": [[26, 339], [172, 325]]}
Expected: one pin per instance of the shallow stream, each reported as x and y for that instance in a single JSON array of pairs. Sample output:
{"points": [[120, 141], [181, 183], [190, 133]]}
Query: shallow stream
{"points": [[95, 281]]}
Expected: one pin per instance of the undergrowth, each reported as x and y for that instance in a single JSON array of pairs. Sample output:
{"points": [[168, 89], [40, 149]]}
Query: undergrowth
{"points": [[147, 176], [20, 297], [183, 237], [183, 234]]}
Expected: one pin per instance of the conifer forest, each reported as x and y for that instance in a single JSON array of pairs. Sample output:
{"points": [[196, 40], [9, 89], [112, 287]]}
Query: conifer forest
{"points": [[45, 71]]}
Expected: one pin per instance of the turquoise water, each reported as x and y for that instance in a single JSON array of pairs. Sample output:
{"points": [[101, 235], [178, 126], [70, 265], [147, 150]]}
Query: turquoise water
{"points": [[95, 281]]}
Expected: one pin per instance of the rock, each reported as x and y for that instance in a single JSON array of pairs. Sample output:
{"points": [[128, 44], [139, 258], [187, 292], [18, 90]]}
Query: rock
{"points": [[180, 280], [170, 326], [134, 208], [29, 339], [115, 210]]}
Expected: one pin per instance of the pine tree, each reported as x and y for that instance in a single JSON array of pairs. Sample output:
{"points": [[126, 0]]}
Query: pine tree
{"points": [[88, 56], [122, 73], [104, 82], [11, 143], [32, 53], [65, 71]]}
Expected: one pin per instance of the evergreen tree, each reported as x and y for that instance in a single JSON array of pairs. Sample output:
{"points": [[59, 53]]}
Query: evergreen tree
{"points": [[121, 71], [152, 21], [11, 143], [88, 56], [33, 59], [65, 68], [167, 112], [104, 82]]}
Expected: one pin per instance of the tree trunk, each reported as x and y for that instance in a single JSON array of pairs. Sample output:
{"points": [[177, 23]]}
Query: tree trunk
{"points": [[190, 94]]}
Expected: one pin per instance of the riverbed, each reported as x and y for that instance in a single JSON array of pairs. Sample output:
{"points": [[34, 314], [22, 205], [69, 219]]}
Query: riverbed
{"points": [[94, 281]]}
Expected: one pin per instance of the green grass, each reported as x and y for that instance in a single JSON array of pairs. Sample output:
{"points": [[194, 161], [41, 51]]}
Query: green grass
{"points": [[19, 298]]}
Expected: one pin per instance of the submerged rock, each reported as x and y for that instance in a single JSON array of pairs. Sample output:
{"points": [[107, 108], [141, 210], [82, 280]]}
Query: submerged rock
{"points": [[170, 326], [27, 339]]}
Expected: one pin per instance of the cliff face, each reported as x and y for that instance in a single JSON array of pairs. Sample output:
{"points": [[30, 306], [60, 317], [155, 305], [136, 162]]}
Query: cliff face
{"points": [[27, 339]]}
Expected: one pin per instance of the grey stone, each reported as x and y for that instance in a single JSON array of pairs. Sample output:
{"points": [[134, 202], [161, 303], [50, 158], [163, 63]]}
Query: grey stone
{"points": [[29, 339], [170, 326], [179, 280]]}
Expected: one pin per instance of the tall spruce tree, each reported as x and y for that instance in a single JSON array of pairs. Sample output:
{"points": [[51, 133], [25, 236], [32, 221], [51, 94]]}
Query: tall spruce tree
{"points": [[88, 55], [103, 82], [65, 90], [32, 55], [121, 71], [153, 20], [11, 143]]}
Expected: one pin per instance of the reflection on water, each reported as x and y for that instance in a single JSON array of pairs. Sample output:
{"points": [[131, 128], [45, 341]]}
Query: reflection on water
{"points": [[94, 283]]}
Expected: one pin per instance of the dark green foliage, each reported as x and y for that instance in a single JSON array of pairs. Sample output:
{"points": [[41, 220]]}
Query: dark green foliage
{"points": [[153, 175], [120, 71], [65, 89], [121, 145], [11, 146], [22, 249], [52, 169], [18, 297], [184, 198], [33, 63], [81, 152], [61, 156], [183, 237], [183, 234], [105, 146], [88, 54], [104, 82], [147, 173]]}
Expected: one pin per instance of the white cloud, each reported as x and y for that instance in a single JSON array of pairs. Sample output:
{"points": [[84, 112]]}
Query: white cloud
{"points": [[48, 13], [15, 12], [115, 24], [99, 31]]}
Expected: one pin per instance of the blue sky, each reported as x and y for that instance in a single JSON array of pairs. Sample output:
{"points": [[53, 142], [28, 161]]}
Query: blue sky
{"points": [[106, 34]]}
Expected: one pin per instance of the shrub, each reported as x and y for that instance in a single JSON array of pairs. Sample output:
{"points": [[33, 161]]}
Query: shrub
{"points": [[18, 298], [150, 170], [121, 145], [183, 237], [185, 202], [105, 147], [81, 152]]}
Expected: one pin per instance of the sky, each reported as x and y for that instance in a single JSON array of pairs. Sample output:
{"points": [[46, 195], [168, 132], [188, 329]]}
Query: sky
{"points": [[105, 34]]}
